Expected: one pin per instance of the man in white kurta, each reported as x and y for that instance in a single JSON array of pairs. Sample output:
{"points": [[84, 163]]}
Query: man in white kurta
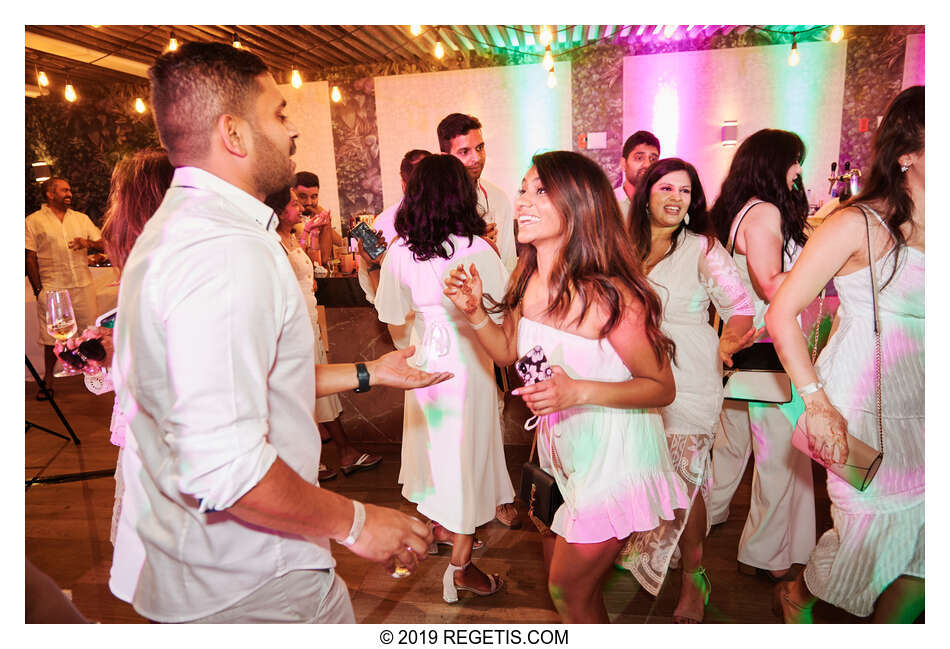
{"points": [[640, 150], [57, 240]]}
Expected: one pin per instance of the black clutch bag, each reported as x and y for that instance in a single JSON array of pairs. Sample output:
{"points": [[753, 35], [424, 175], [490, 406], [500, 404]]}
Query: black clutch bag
{"points": [[539, 492], [538, 488]]}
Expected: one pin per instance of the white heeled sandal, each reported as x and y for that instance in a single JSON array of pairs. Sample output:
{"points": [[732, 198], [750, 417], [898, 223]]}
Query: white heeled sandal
{"points": [[450, 588]]}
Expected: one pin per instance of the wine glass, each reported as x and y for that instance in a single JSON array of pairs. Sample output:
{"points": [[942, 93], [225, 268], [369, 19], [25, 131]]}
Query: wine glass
{"points": [[61, 322]]}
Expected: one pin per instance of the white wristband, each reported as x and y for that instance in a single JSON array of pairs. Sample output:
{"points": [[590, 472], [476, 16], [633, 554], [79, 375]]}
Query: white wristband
{"points": [[810, 388], [481, 324], [359, 519]]}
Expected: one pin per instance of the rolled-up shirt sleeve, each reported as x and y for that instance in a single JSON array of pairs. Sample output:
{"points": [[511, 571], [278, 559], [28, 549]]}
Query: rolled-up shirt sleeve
{"points": [[222, 331]]}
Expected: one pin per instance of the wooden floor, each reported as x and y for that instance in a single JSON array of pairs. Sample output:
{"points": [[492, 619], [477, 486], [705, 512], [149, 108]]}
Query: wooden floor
{"points": [[67, 537]]}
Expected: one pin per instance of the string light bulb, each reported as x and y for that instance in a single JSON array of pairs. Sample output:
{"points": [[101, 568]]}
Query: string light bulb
{"points": [[552, 80], [335, 94], [235, 41], [172, 42], [837, 34], [70, 93], [415, 30], [669, 30], [295, 80], [439, 50], [548, 61], [41, 79], [139, 105], [545, 36], [794, 57]]}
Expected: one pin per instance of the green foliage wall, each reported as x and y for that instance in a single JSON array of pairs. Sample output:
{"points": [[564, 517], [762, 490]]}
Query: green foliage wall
{"points": [[83, 141]]}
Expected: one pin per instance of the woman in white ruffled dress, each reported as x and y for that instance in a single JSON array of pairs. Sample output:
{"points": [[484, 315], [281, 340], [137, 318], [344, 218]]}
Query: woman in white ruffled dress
{"points": [[689, 269], [586, 303], [872, 561]]}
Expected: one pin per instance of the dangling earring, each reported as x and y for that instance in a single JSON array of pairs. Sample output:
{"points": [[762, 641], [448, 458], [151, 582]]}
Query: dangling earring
{"points": [[904, 168], [686, 219]]}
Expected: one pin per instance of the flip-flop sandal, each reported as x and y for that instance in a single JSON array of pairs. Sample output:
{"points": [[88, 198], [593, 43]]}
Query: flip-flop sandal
{"points": [[325, 473], [363, 462]]}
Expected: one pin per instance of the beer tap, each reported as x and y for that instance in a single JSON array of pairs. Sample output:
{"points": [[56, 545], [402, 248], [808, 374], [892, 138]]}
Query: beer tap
{"points": [[849, 178]]}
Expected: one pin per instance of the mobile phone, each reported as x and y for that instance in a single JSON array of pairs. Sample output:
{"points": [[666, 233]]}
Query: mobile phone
{"points": [[533, 366], [107, 319], [370, 240]]}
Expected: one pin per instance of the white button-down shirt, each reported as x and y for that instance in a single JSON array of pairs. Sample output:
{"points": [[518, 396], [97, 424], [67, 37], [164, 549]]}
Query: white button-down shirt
{"points": [[623, 202], [214, 369], [497, 208], [49, 237]]}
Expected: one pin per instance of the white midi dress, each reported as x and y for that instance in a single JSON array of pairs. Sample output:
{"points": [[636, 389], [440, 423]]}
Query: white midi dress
{"points": [[686, 282], [327, 408], [612, 465], [453, 462], [878, 534]]}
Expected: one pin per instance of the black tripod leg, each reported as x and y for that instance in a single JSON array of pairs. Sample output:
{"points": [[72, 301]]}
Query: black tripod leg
{"points": [[52, 401]]}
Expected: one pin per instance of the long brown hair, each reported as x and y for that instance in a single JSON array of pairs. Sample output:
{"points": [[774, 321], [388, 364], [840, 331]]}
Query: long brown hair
{"points": [[901, 132], [139, 182], [597, 256]]}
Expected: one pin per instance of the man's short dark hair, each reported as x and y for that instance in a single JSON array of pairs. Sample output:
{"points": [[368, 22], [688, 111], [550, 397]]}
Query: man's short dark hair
{"points": [[306, 179], [50, 183], [409, 162], [193, 86], [454, 125], [640, 137]]}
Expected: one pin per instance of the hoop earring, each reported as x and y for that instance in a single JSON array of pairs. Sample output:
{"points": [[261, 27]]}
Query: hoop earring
{"points": [[686, 219]]}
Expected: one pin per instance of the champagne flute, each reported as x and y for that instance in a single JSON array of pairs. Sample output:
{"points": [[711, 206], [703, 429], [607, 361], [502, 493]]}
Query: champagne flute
{"points": [[61, 322]]}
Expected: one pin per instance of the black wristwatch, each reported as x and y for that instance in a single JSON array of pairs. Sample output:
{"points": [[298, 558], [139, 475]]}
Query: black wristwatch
{"points": [[362, 375]]}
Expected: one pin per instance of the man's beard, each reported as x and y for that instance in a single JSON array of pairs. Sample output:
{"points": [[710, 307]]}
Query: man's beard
{"points": [[274, 169]]}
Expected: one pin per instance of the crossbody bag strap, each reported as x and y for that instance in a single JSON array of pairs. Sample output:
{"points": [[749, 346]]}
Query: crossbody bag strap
{"points": [[872, 267], [732, 250]]}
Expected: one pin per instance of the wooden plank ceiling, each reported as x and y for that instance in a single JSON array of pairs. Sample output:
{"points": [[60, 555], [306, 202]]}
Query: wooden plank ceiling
{"points": [[122, 53]]}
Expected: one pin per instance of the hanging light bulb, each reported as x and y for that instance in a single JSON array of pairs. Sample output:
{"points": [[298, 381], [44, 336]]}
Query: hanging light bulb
{"points": [[235, 41], [793, 57], [669, 30], [335, 94], [295, 80], [415, 30], [552, 80], [41, 79], [837, 34], [545, 36], [139, 105], [172, 42], [439, 50], [548, 61], [70, 93]]}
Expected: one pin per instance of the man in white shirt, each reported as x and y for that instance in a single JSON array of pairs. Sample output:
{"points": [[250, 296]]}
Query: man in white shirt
{"points": [[57, 241], [640, 151], [461, 135], [213, 366]]}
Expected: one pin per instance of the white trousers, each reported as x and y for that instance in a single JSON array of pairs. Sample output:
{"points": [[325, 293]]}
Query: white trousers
{"points": [[780, 527], [298, 597]]}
